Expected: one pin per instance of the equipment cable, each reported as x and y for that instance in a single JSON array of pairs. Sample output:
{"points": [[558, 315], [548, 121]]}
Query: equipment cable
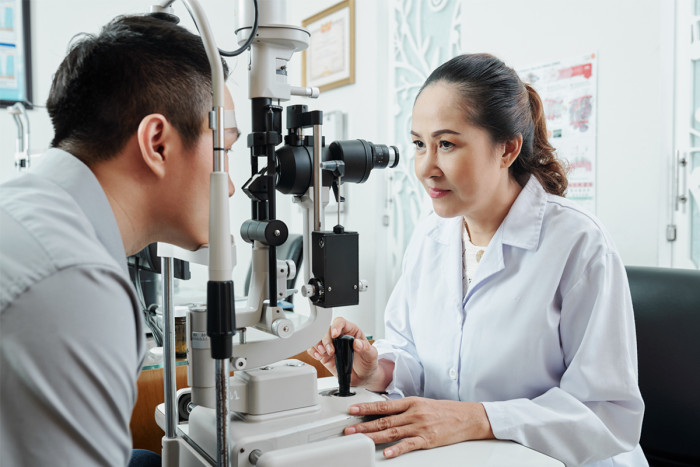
{"points": [[250, 40], [253, 33]]}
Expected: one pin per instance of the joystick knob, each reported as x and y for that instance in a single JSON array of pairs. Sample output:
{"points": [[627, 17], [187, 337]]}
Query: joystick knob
{"points": [[343, 363]]}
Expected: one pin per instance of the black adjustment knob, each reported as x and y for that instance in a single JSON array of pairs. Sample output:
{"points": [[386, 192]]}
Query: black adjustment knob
{"points": [[343, 363]]}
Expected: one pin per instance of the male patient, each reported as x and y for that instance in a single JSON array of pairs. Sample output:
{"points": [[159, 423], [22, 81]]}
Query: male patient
{"points": [[129, 165]]}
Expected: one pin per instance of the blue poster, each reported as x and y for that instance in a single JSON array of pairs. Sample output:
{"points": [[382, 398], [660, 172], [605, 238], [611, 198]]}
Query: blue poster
{"points": [[13, 53]]}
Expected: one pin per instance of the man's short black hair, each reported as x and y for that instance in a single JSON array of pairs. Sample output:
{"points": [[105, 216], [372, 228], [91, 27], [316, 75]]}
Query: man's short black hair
{"points": [[135, 66]]}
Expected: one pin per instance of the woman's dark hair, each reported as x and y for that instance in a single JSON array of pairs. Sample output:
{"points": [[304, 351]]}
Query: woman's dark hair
{"points": [[494, 98], [135, 66]]}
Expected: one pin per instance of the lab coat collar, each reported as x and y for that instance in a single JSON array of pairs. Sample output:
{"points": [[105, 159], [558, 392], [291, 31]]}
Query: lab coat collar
{"points": [[446, 231], [76, 178], [522, 226]]}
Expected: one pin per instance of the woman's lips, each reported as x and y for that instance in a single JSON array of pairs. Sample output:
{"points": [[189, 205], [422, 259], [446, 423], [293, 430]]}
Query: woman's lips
{"points": [[436, 193]]}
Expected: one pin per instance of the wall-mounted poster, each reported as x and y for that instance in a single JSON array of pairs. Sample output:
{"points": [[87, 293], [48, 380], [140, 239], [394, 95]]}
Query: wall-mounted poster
{"points": [[568, 90], [15, 57]]}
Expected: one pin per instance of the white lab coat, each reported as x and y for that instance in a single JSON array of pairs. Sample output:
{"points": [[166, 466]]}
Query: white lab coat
{"points": [[545, 337]]}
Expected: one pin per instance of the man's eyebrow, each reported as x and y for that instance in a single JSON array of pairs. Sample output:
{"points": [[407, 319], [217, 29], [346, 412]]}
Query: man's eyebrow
{"points": [[437, 133]]}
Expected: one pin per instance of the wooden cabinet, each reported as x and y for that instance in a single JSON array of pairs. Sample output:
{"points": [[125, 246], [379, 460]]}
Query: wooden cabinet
{"points": [[145, 433]]}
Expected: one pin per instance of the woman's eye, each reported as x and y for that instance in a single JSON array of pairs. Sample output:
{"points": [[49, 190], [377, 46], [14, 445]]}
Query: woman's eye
{"points": [[418, 144], [446, 145]]}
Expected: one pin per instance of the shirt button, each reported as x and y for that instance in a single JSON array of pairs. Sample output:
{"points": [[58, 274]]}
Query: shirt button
{"points": [[453, 373]]}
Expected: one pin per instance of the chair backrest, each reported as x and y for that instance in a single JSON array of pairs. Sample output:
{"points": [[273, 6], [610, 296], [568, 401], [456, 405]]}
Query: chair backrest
{"points": [[291, 249], [667, 316]]}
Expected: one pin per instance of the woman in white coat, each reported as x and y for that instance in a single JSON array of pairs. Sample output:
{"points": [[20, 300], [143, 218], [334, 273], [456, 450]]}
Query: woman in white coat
{"points": [[512, 318]]}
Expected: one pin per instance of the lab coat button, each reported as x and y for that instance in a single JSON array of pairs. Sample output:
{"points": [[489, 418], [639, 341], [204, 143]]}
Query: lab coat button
{"points": [[453, 373]]}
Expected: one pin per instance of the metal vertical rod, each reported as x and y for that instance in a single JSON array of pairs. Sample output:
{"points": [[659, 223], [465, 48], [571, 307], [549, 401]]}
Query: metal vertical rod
{"points": [[271, 208], [253, 170], [340, 197], [318, 179], [222, 405], [169, 348]]}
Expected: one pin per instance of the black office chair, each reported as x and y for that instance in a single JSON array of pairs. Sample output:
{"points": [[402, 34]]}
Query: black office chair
{"points": [[291, 249], [667, 315]]}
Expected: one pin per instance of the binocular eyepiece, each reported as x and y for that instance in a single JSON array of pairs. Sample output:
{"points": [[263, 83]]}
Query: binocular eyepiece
{"points": [[359, 158]]}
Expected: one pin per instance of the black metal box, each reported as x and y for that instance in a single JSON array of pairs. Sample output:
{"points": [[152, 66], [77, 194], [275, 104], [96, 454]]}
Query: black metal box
{"points": [[335, 263]]}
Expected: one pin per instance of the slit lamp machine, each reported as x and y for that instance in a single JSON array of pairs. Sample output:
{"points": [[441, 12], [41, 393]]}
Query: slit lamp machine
{"points": [[270, 413]]}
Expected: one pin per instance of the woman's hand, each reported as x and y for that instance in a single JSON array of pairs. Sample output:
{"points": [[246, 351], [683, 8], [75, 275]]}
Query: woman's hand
{"points": [[421, 423], [365, 369]]}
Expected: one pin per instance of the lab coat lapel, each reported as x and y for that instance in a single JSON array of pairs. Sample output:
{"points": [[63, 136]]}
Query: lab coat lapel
{"points": [[448, 233], [491, 263], [521, 228]]}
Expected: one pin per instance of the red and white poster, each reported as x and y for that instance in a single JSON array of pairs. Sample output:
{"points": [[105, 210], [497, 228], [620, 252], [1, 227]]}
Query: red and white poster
{"points": [[568, 92]]}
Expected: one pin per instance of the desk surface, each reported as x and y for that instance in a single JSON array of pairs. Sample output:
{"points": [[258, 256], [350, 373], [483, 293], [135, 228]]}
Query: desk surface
{"points": [[495, 453]]}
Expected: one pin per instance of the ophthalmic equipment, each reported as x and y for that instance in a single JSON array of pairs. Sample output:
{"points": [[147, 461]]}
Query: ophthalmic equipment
{"points": [[270, 412]]}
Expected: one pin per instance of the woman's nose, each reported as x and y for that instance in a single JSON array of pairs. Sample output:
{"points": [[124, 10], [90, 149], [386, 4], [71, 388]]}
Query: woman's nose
{"points": [[426, 165]]}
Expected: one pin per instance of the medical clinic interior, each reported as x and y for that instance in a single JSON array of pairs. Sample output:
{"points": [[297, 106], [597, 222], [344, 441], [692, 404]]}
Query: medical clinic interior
{"points": [[350, 233]]}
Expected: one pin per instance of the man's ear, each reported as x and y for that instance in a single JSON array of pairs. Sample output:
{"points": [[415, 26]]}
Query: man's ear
{"points": [[156, 140], [511, 150]]}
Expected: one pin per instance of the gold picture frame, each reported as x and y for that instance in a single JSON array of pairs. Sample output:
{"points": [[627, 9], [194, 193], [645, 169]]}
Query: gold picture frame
{"points": [[329, 61]]}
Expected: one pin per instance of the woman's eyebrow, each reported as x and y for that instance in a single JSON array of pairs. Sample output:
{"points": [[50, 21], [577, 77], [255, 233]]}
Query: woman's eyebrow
{"points": [[437, 133]]}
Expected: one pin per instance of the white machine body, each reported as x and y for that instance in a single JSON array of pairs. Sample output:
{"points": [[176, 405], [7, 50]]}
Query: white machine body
{"points": [[278, 414], [272, 48]]}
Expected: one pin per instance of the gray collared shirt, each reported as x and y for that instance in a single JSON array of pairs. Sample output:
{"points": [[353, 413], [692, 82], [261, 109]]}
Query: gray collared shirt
{"points": [[71, 332]]}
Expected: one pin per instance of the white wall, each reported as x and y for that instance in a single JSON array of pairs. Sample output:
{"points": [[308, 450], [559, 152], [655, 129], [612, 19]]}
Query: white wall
{"points": [[633, 41]]}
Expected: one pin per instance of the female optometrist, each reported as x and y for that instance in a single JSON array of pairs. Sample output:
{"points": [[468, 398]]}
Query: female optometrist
{"points": [[512, 318]]}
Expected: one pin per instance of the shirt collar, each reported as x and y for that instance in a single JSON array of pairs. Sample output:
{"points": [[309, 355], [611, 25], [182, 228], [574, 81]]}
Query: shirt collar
{"points": [[76, 178]]}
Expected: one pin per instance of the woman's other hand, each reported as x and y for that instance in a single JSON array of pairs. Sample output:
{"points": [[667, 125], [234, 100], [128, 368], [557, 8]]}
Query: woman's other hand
{"points": [[421, 423]]}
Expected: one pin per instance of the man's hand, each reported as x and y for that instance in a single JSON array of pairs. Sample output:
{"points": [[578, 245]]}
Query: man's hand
{"points": [[421, 423]]}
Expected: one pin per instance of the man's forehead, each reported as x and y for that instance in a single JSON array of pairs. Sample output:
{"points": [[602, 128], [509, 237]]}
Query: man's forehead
{"points": [[230, 119]]}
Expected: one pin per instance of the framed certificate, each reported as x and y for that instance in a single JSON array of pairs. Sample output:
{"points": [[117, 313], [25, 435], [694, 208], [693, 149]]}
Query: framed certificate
{"points": [[15, 53], [329, 62]]}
